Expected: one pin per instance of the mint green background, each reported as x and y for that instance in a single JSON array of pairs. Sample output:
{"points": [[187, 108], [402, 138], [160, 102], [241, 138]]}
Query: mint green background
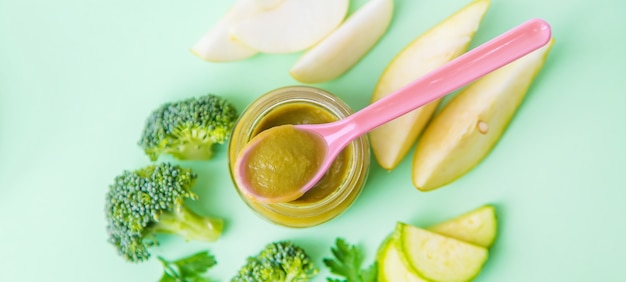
{"points": [[78, 78]]}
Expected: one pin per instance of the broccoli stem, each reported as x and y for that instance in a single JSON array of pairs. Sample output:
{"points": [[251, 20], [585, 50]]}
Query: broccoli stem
{"points": [[197, 150], [189, 225]]}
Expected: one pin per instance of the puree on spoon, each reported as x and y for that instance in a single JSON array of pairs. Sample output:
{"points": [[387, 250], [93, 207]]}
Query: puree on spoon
{"points": [[278, 150], [306, 113]]}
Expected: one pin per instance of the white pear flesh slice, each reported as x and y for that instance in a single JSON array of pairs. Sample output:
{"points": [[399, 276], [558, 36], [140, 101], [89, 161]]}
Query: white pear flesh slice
{"points": [[470, 125], [391, 265], [216, 45], [345, 46], [478, 227], [439, 258], [292, 26], [447, 40], [269, 4]]}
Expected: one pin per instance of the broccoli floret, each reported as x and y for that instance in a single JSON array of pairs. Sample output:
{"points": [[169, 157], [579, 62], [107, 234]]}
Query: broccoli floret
{"points": [[149, 201], [279, 261], [187, 129]]}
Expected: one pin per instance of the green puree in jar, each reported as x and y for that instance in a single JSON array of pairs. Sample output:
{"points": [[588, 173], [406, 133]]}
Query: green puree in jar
{"points": [[306, 113]]}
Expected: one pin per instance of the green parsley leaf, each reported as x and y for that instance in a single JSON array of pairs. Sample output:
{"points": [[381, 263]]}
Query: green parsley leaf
{"points": [[347, 262], [188, 269], [167, 278]]}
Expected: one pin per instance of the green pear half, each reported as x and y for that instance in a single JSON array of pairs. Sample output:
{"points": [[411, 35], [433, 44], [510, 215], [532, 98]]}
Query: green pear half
{"points": [[469, 126], [448, 39]]}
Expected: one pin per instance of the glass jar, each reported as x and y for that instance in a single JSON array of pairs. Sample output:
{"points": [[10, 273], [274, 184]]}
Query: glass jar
{"points": [[341, 185]]}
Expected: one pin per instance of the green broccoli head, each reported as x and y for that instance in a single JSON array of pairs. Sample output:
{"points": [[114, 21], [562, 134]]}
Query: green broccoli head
{"points": [[279, 261], [149, 201], [188, 129]]}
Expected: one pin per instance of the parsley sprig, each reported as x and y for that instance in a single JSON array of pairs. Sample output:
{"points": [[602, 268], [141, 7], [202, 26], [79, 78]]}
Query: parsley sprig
{"points": [[188, 269], [347, 262]]}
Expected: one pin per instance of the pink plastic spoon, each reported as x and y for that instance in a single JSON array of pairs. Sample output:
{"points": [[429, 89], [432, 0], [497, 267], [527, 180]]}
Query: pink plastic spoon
{"points": [[466, 68]]}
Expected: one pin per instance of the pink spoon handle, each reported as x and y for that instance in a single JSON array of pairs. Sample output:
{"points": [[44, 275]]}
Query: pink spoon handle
{"points": [[466, 68]]}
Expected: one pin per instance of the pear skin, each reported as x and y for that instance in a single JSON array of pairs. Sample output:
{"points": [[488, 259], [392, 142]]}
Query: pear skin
{"points": [[450, 38], [468, 127]]}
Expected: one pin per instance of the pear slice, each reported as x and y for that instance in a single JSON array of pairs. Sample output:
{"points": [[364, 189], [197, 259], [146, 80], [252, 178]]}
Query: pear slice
{"points": [[269, 4], [345, 46], [444, 42], [478, 227], [292, 26], [216, 45], [439, 258], [466, 129]]}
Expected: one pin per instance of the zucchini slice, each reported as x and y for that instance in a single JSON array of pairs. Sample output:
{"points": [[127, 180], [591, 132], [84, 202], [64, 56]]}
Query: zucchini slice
{"points": [[437, 257], [478, 227]]}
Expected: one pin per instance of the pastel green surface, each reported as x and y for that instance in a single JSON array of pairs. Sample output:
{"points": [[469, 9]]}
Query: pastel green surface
{"points": [[78, 79]]}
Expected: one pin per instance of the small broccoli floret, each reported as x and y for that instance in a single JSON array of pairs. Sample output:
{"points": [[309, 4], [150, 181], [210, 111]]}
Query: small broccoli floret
{"points": [[188, 129], [150, 200], [279, 261]]}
